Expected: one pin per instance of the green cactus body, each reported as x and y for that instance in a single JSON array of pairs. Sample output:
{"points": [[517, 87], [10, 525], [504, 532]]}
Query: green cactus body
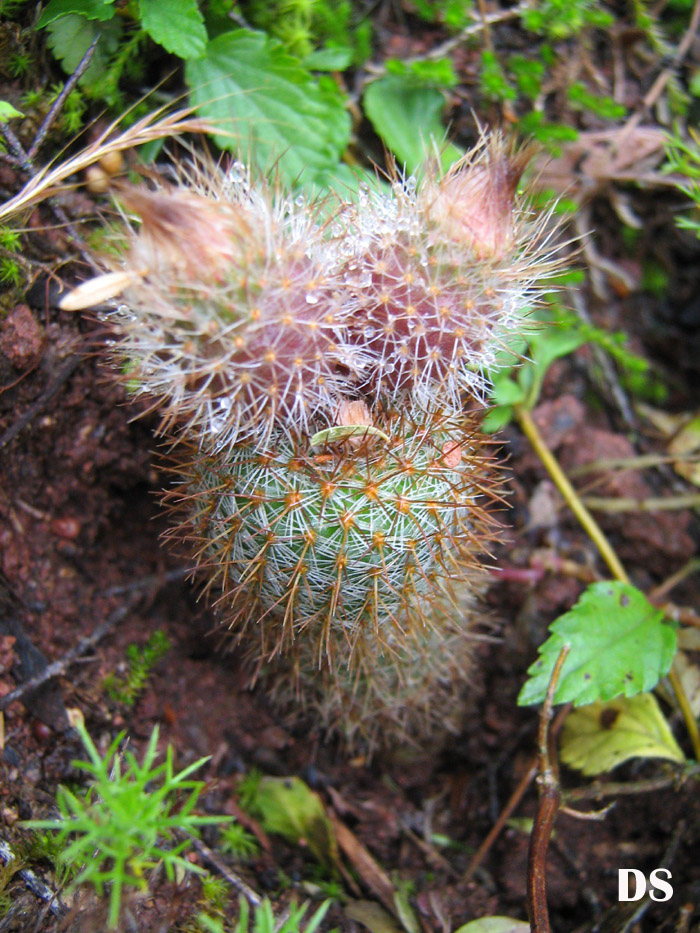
{"points": [[352, 543]]}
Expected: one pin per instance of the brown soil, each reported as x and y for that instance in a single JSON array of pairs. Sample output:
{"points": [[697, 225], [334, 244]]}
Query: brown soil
{"points": [[79, 547]]}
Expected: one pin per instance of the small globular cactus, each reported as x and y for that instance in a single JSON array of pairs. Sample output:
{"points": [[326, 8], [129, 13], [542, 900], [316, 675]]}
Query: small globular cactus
{"points": [[446, 271], [344, 543], [232, 321], [314, 363]]}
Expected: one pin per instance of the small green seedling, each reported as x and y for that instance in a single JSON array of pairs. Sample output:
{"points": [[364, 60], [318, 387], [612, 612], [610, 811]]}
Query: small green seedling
{"points": [[264, 920], [128, 820], [141, 659]]}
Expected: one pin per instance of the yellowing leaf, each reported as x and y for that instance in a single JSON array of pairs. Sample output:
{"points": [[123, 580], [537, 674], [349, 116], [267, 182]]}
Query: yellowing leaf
{"points": [[686, 446], [288, 807], [495, 925], [371, 916], [599, 737]]}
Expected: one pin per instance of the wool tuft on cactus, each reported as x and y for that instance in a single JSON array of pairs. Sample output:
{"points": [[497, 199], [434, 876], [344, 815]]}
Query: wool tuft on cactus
{"points": [[314, 363]]}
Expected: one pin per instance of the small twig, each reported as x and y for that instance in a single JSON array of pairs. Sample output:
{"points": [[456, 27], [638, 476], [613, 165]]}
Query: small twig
{"points": [[603, 361], [33, 882], [63, 374], [628, 463], [486, 20], [550, 796], [503, 818], [660, 591], [690, 500], [629, 788], [233, 879], [691, 723], [664, 77], [60, 100], [58, 668]]}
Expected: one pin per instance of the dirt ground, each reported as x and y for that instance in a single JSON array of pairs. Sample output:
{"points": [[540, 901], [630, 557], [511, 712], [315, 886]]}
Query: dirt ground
{"points": [[80, 523]]}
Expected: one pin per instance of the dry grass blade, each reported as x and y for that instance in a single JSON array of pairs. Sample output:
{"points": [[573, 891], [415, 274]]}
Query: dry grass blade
{"points": [[149, 128]]}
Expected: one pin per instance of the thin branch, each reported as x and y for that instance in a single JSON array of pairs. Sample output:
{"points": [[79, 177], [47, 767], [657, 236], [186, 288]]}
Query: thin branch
{"points": [[629, 788], [233, 879], [53, 387], [689, 500], [60, 100], [58, 668]]}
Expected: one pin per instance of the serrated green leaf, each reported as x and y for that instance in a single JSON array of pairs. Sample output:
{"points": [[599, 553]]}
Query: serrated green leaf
{"points": [[495, 925], [70, 37], [599, 737], [268, 107], [101, 10], [407, 115], [177, 25], [8, 112], [620, 645], [287, 806]]}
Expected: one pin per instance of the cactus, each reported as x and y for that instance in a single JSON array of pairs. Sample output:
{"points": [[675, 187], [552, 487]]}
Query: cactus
{"points": [[410, 692], [343, 543], [231, 321], [313, 363], [446, 272]]}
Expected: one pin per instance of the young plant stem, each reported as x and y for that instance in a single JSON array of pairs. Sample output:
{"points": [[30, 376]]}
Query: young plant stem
{"points": [[596, 535], [550, 798]]}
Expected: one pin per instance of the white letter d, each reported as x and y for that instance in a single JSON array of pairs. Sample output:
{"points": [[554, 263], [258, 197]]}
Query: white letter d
{"points": [[640, 884]]}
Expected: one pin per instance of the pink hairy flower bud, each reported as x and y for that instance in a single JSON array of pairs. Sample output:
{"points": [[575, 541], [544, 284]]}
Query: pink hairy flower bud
{"points": [[475, 201], [188, 232]]}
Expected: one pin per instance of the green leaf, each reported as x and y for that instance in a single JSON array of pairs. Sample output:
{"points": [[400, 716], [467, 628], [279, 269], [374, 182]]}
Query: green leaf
{"points": [[8, 112], [601, 736], [332, 58], [177, 25], [495, 925], [288, 807], [101, 10], [342, 432], [70, 37], [620, 644], [407, 115], [268, 107]]}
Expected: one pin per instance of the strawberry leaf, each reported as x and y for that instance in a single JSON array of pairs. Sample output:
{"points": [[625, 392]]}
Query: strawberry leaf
{"points": [[619, 645]]}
